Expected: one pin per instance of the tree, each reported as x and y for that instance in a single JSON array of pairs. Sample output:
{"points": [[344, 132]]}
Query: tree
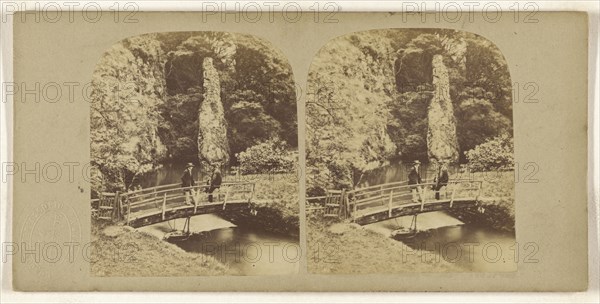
{"points": [[350, 83], [127, 89], [495, 153], [370, 97], [270, 156], [255, 79]]}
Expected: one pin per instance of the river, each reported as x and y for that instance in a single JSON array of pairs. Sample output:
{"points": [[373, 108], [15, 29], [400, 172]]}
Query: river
{"points": [[471, 246], [246, 251], [168, 174]]}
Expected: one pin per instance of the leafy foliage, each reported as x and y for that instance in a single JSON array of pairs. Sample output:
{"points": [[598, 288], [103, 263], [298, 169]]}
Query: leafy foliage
{"points": [[371, 92], [127, 89], [351, 80], [270, 156], [257, 88], [495, 153], [147, 91]]}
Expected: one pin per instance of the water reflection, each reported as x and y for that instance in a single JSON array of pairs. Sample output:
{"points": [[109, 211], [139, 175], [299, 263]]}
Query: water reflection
{"points": [[246, 251], [472, 247]]}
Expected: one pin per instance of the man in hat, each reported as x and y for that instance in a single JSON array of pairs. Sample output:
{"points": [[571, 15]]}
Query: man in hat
{"points": [[441, 179], [187, 181], [215, 181], [414, 179]]}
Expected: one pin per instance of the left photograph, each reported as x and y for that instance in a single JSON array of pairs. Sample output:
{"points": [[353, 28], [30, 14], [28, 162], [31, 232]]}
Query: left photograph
{"points": [[194, 156]]}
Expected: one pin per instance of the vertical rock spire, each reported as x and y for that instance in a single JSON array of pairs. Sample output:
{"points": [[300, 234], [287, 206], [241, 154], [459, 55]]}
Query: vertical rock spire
{"points": [[442, 144], [212, 132]]}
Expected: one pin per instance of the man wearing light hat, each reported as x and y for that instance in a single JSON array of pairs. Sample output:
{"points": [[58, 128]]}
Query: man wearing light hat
{"points": [[414, 178], [187, 180]]}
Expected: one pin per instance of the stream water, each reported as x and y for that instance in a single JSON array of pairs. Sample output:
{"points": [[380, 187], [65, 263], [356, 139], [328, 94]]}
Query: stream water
{"points": [[473, 247], [168, 174], [246, 251], [255, 252]]}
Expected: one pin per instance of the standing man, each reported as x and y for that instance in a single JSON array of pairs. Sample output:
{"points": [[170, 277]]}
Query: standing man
{"points": [[414, 178], [215, 181], [440, 180], [187, 180]]}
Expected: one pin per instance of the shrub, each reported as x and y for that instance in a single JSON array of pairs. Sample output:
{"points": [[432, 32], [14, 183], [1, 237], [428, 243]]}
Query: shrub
{"points": [[270, 156], [495, 153]]}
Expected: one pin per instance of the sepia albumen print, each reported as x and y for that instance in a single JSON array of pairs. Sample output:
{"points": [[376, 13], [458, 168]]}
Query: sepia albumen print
{"points": [[409, 152], [401, 174], [194, 149]]}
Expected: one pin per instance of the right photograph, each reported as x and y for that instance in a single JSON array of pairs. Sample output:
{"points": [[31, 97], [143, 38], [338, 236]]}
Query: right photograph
{"points": [[410, 155]]}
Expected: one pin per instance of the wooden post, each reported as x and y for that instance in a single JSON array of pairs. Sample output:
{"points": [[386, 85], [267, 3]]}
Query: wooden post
{"points": [[341, 203], [452, 195], [128, 210], [226, 197], [116, 206], [390, 203], [195, 199], [422, 196], [164, 205], [354, 211], [347, 208], [154, 195], [252, 193]]}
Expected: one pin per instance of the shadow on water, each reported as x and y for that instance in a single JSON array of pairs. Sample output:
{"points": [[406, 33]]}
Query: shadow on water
{"points": [[246, 251], [472, 247]]}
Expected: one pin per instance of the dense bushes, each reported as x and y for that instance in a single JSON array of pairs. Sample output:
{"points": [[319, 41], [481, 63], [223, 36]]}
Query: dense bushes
{"points": [[495, 153], [147, 90], [369, 96], [270, 156]]}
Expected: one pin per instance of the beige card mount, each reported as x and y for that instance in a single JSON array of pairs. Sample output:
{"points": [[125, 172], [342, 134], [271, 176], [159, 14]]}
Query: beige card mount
{"points": [[344, 152]]}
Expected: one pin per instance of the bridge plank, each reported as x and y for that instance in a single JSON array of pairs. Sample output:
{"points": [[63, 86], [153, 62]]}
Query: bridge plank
{"points": [[374, 215], [149, 218]]}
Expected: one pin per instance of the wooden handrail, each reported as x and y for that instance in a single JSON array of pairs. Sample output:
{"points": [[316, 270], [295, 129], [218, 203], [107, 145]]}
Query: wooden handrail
{"points": [[159, 197], [394, 195], [377, 186]]}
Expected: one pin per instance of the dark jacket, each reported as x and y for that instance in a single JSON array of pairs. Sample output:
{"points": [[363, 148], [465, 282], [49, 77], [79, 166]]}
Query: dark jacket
{"points": [[441, 180], [216, 180], [414, 177], [187, 180]]}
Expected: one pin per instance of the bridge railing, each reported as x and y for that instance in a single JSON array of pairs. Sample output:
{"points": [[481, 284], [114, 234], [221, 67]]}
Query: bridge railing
{"points": [[120, 206], [390, 197], [329, 204], [349, 204]]}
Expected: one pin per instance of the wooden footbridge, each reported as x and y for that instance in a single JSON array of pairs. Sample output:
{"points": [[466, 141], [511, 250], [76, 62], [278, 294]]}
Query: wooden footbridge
{"points": [[386, 201], [158, 204]]}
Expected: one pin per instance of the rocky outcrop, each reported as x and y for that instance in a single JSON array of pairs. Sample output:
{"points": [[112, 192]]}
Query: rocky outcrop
{"points": [[351, 82], [212, 133], [442, 144]]}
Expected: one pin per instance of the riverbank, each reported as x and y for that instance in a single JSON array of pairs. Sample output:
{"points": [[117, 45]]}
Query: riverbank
{"points": [[121, 251], [276, 207], [498, 202], [342, 248]]}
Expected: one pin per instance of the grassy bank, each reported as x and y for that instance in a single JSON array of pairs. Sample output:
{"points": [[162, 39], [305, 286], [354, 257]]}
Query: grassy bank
{"points": [[498, 201], [277, 207], [341, 248], [119, 251]]}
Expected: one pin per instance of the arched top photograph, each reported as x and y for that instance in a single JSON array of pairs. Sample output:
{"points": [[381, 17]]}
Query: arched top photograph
{"points": [[194, 140], [409, 135]]}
